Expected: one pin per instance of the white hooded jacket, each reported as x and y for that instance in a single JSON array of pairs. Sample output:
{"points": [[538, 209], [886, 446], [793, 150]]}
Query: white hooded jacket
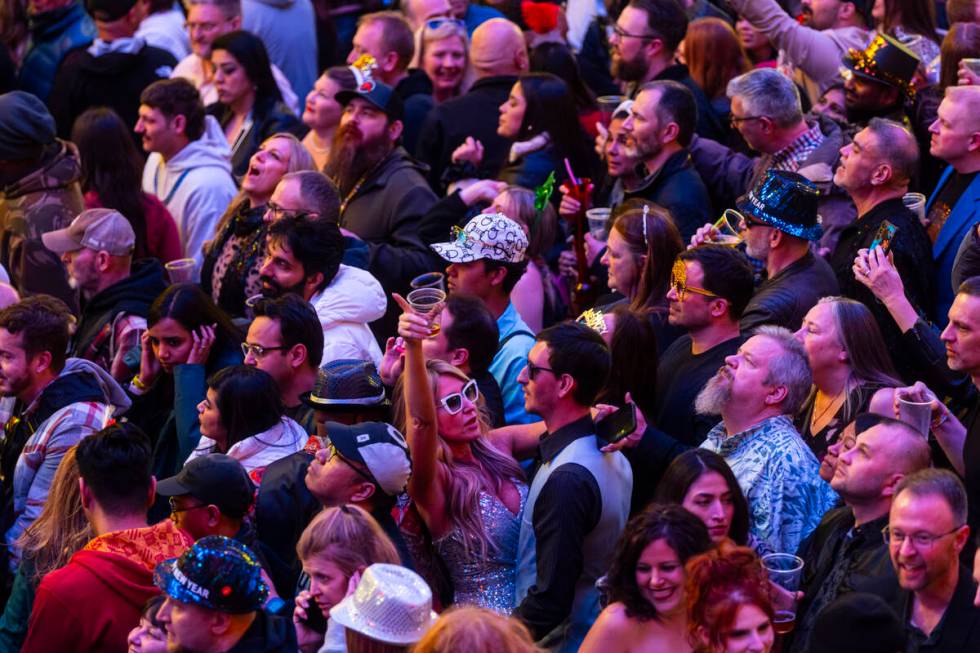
{"points": [[345, 307], [196, 186]]}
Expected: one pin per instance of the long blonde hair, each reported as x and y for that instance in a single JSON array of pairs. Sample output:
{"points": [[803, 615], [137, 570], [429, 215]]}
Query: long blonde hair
{"points": [[62, 528], [350, 537], [466, 479]]}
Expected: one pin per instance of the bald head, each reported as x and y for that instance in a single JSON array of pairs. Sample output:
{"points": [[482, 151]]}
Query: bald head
{"points": [[498, 48], [907, 450]]}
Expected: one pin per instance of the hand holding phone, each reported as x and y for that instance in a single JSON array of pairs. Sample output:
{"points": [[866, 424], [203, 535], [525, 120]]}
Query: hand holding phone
{"points": [[884, 237], [617, 426]]}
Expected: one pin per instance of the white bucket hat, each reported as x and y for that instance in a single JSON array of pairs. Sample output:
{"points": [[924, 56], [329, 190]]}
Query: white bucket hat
{"points": [[491, 236], [391, 604]]}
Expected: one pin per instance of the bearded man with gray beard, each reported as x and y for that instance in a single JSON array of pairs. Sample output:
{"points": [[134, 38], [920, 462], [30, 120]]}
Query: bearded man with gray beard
{"points": [[756, 394], [383, 193]]}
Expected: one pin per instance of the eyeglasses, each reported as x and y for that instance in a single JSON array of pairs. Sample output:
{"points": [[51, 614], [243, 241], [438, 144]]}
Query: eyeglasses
{"points": [[174, 509], [532, 370], [894, 537], [453, 403], [332, 453], [436, 23], [258, 351], [733, 120], [279, 212], [204, 27], [682, 289], [620, 33]]}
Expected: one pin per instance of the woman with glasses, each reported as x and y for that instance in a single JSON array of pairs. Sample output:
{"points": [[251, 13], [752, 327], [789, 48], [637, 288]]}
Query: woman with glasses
{"points": [[230, 272], [469, 493], [442, 52], [187, 339], [249, 107], [849, 363], [242, 415]]}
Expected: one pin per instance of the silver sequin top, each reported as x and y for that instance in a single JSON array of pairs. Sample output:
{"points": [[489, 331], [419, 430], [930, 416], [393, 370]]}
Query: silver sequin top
{"points": [[486, 582]]}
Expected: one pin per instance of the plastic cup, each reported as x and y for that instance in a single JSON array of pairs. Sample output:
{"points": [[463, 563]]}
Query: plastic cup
{"points": [[424, 302], [916, 414], [785, 571], [916, 203], [429, 280], [607, 106], [973, 65], [728, 227], [598, 223], [181, 270]]}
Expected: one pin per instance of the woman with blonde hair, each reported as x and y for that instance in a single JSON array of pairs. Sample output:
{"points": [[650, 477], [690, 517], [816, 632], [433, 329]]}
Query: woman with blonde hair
{"points": [[476, 630], [232, 259], [849, 363], [47, 544], [469, 493], [334, 549], [442, 52]]}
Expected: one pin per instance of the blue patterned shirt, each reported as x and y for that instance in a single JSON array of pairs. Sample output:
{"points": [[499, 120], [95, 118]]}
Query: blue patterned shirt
{"points": [[778, 475]]}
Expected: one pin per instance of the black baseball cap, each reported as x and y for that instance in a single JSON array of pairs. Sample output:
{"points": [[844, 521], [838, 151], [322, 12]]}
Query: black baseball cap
{"points": [[378, 446], [108, 11], [215, 479], [377, 93]]}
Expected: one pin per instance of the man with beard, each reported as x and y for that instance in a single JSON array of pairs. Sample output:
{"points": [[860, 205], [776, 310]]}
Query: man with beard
{"points": [[779, 223], [926, 533], [97, 249], [756, 394], [642, 46], [382, 189], [810, 50], [846, 553], [303, 256], [877, 80], [661, 124]]}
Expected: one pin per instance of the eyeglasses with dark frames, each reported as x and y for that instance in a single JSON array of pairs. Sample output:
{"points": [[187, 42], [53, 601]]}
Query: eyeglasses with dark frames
{"points": [[333, 452], [921, 540], [532, 370]]}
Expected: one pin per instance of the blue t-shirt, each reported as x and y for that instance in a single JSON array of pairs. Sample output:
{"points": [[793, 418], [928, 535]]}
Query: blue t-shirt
{"points": [[509, 361]]}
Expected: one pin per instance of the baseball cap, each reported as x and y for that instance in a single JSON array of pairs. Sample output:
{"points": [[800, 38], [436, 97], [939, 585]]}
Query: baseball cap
{"points": [[217, 573], [378, 446], [99, 229], [25, 126], [345, 384], [108, 11], [377, 93], [215, 479], [491, 236]]}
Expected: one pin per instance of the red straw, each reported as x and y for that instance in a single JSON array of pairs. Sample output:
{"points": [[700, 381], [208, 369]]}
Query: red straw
{"points": [[571, 175]]}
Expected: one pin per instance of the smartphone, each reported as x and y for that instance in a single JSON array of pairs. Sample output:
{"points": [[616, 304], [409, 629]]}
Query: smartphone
{"points": [[884, 236], [618, 425], [315, 619]]}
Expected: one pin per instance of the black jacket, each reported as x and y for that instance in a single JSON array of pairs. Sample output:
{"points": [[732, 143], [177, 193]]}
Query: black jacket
{"points": [[913, 260], [475, 114], [268, 118], [678, 188], [785, 299], [114, 79], [416, 94], [267, 634], [131, 296]]}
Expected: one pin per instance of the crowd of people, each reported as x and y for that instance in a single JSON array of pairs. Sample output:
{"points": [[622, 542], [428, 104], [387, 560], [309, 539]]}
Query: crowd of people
{"points": [[604, 326]]}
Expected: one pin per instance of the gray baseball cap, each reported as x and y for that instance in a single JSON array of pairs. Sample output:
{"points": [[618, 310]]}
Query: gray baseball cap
{"points": [[103, 230]]}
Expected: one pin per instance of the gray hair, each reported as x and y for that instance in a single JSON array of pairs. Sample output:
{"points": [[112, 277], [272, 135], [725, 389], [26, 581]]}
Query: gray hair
{"points": [[789, 369], [317, 193], [767, 92], [896, 145], [229, 8], [938, 482]]}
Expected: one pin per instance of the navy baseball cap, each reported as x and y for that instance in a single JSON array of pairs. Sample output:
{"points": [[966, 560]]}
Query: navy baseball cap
{"points": [[377, 93], [218, 573]]}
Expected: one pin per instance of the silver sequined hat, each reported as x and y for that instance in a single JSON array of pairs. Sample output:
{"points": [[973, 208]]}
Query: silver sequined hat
{"points": [[491, 236], [391, 604]]}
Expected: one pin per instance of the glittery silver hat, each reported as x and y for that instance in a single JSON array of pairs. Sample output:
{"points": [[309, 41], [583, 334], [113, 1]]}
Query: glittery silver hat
{"points": [[391, 604], [786, 201]]}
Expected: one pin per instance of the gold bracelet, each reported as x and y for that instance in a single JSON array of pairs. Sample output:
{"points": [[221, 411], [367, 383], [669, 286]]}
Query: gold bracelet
{"points": [[139, 385]]}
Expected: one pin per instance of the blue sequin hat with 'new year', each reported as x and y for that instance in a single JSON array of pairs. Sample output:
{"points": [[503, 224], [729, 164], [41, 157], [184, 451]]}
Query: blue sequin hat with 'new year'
{"points": [[786, 201], [217, 573]]}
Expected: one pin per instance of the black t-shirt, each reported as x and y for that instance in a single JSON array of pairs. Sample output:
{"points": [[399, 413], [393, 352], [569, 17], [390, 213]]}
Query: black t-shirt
{"points": [[680, 377], [947, 198], [971, 462]]}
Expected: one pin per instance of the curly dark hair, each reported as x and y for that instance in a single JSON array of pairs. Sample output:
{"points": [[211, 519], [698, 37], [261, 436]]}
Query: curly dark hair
{"points": [[685, 534]]}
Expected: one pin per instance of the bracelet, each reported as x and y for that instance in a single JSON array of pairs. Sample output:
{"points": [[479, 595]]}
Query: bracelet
{"points": [[138, 384]]}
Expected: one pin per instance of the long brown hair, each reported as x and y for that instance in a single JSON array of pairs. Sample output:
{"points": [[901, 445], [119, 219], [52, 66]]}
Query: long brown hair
{"points": [[913, 16], [658, 239], [467, 479], [962, 41], [714, 55], [62, 528]]}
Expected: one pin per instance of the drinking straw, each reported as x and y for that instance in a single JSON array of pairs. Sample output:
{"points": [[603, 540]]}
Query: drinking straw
{"points": [[571, 175]]}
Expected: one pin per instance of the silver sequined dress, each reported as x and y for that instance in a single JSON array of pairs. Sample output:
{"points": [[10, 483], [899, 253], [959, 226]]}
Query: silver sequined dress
{"points": [[486, 582]]}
